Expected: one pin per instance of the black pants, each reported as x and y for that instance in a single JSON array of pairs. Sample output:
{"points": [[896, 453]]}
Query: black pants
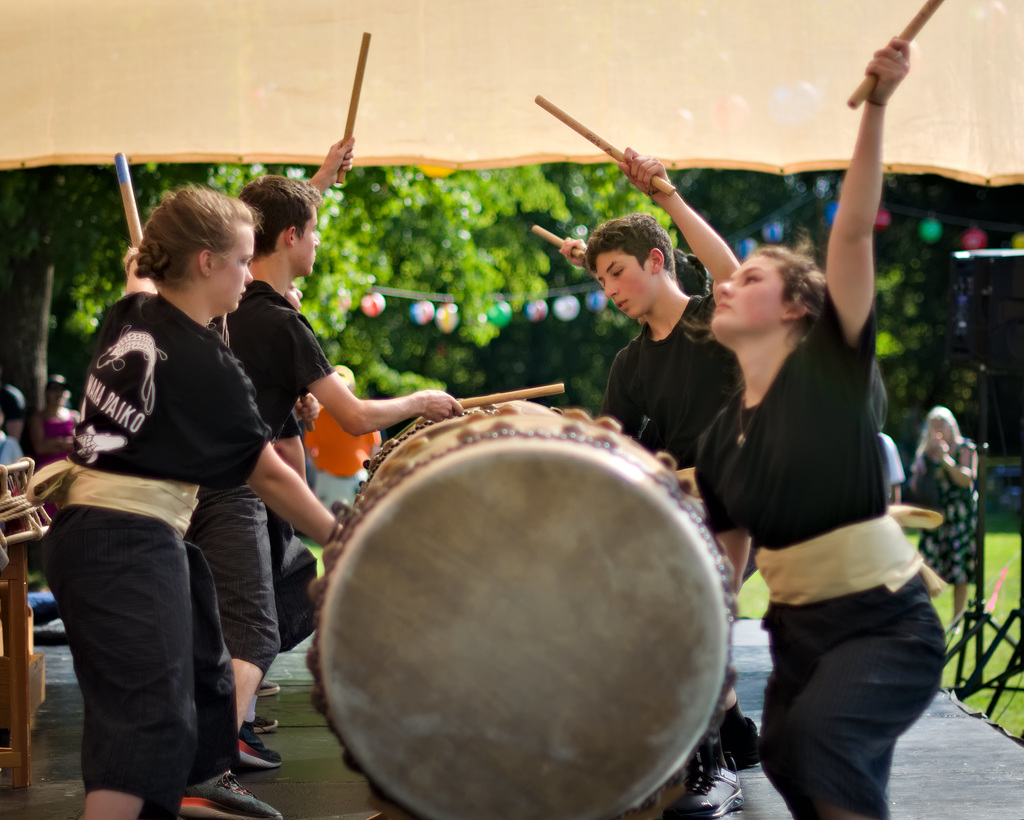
{"points": [[850, 676], [140, 611]]}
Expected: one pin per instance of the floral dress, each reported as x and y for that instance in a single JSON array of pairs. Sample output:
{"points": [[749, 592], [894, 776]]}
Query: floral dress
{"points": [[950, 548]]}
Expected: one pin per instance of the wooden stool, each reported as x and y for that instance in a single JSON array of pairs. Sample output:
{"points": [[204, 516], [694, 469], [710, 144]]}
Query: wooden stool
{"points": [[20, 522]]}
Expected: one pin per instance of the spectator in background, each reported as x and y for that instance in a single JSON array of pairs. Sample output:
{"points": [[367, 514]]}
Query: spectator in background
{"points": [[12, 403], [892, 467], [948, 463], [51, 429], [10, 450], [338, 456]]}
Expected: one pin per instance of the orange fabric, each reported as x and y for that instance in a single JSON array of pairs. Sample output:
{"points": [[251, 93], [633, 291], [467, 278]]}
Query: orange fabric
{"points": [[336, 452]]}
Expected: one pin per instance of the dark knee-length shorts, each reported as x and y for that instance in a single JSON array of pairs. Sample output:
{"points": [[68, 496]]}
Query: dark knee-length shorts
{"points": [[230, 527], [850, 676], [262, 572], [140, 611]]}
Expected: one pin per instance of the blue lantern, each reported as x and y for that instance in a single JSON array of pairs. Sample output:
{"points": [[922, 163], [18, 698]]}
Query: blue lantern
{"points": [[421, 312], [536, 310], [773, 232], [596, 301], [745, 247]]}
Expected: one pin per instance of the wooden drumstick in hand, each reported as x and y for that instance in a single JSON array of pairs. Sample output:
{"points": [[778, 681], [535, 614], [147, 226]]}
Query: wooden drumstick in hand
{"points": [[357, 87], [131, 208], [543, 233], [513, 395], [660, 183], [909, 33]]}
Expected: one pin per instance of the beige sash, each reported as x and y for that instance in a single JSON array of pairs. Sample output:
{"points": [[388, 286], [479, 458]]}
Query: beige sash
{"points": [[64, 484], [846, 560]]}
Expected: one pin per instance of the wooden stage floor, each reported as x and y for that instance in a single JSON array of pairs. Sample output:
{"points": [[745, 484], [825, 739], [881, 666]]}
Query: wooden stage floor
{"points": [[951, 766]]}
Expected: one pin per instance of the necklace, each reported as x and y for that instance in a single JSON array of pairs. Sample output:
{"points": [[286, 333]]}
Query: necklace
{"points": [[750, 413]]}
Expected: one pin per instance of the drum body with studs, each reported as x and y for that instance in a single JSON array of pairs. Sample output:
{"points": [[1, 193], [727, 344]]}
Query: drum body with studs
{"points": [[524, 618]]}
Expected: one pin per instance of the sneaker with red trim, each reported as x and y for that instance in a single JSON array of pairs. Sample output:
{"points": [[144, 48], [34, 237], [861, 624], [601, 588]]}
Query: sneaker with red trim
{"points": [[252, 754], [223, 798]]}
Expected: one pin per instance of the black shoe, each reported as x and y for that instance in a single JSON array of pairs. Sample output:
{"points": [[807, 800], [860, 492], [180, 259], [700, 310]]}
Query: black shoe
{"points": [[50, 634], [223, 797], [712, 790], [252, 754], [739, 739], [708, 795]]}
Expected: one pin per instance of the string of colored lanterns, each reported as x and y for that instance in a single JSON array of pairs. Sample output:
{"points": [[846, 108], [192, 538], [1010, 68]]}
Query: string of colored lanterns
{"points": [[446, 315], [566, 307], [929, 229]]}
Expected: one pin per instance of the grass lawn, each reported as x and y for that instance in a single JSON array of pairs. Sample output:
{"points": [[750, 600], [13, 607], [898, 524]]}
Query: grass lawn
{"points": [[1002, 587]]}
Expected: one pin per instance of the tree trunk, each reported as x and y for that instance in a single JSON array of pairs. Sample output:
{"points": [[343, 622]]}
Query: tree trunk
{"points": [[25, 325]]}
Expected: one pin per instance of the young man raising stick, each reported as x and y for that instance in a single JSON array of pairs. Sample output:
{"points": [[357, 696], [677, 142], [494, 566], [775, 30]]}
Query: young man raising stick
{"points": [[667, 385]]}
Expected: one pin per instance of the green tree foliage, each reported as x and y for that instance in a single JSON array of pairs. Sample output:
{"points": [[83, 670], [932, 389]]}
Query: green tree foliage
{"points": [[466, 238], [54, 223]]}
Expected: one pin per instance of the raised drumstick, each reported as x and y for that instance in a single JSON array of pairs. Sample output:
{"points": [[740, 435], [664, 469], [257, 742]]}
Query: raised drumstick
{"points": [[909, 33], [660, 183], [543, 233], [131, 208], [357, 86], [513, 395]]}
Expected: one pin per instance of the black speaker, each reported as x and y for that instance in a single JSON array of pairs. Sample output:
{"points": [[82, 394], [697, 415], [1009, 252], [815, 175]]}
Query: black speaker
{"points": [[986, 310]]}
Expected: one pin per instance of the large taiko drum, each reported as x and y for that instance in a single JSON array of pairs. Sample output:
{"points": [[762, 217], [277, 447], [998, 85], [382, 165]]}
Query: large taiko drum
{"points": [[524, 618]]}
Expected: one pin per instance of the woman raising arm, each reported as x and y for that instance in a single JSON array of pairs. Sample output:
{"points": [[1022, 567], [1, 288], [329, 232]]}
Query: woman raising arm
{"points": [[792, 462]]}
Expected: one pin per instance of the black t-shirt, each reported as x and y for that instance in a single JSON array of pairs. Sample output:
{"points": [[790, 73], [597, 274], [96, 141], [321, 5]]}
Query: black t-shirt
{"points": [[277, 349], [810, 461], [164, 398], [677, 384], [290, 428]]}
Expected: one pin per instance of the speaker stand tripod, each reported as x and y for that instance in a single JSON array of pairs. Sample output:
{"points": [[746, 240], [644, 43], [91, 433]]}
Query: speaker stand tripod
{"points": [[977, 617]]}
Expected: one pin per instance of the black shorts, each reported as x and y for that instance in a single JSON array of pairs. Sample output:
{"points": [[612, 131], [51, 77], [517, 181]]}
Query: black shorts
{"points": [[230, 527]]}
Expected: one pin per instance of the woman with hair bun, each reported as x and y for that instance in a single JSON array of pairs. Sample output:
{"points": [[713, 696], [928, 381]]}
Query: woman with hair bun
{"points": [[167, 408], [793, 463]]}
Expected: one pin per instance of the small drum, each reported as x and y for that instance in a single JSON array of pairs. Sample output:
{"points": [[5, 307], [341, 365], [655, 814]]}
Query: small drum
{"points": [[524, 618], [20, 518]]}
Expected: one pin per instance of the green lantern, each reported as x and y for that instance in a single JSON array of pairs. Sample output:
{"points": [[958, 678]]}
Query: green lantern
{"points": [[930, 230], [499, 314]]}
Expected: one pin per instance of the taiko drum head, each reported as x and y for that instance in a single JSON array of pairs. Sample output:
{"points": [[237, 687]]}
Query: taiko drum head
{"points": [[525, 627]]}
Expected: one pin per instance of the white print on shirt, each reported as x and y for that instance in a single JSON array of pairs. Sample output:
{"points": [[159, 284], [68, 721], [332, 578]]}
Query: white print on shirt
{"points": [[113, 406], [88, 443], [135, 341]]}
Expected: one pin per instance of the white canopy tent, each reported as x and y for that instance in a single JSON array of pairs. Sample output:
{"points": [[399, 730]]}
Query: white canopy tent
{"points": [[700, 83]]}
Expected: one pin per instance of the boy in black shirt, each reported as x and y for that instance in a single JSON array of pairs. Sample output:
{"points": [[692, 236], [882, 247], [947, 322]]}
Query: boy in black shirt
{"points": [[653, 381], [283, 359]]}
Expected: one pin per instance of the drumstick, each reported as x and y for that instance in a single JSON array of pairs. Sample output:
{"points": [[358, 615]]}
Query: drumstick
{"points": [[131, 209], [660, 183], [357, 86], [513, 395], [543, 233], [909, 33]]}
